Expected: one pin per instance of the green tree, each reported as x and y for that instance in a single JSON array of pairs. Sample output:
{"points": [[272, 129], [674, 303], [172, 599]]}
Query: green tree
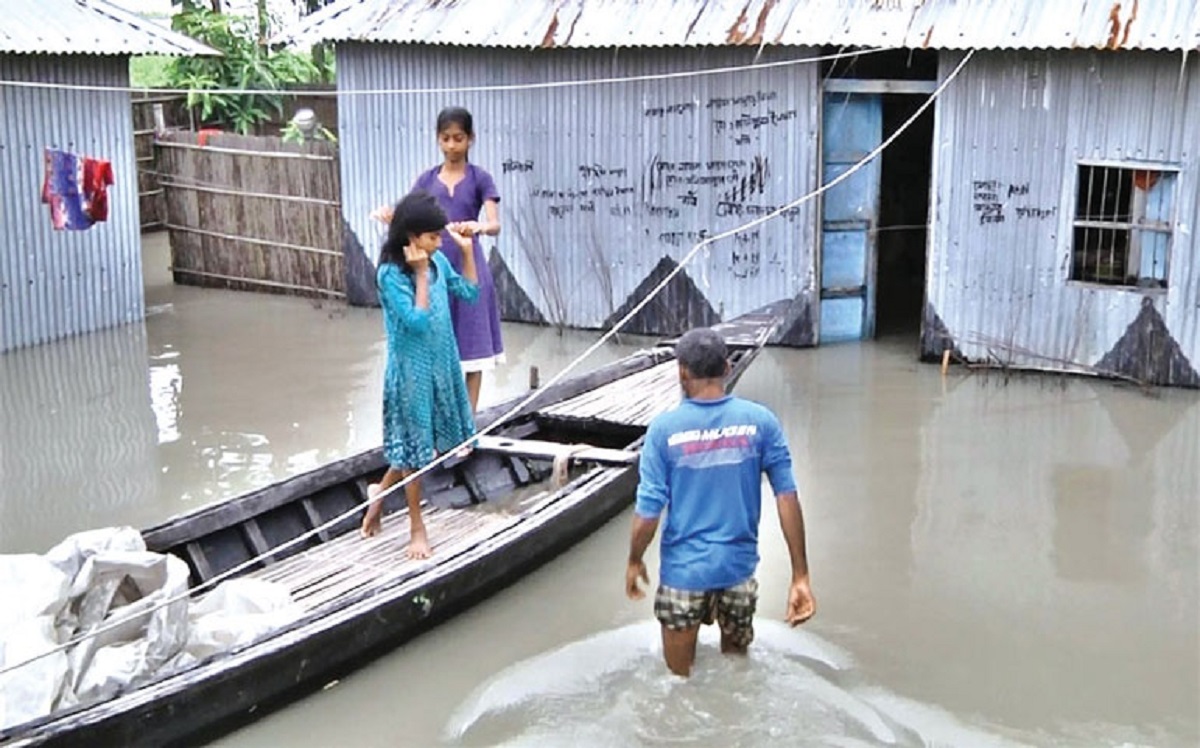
{"points": [[247, 63]]}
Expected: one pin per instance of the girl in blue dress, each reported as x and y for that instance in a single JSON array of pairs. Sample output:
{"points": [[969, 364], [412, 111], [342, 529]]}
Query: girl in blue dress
{"points": [[426, 410], [464, 191]]}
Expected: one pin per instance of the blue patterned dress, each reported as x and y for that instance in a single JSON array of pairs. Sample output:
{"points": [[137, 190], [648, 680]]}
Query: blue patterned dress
{"points": [[425, 405]]}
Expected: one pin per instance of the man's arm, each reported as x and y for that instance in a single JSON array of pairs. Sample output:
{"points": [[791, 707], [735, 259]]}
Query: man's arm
{"points": [[801, 605], [643, 532], [777, 463], [652, 498]]}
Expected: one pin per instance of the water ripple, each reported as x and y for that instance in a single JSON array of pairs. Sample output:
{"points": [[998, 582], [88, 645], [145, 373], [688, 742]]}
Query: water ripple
{"points": [[611, 689]]}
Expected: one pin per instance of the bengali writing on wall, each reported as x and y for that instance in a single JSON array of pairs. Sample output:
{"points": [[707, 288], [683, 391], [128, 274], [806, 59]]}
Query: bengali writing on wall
{"points": [[992, 203], [730, 116], [677, 194]]}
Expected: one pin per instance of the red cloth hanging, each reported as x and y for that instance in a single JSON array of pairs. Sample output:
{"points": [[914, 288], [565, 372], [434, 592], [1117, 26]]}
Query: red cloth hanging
{"points": [[97, 178]]}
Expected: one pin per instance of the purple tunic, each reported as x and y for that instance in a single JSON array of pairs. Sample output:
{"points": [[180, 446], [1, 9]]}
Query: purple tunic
{"points": [[477, 326]]}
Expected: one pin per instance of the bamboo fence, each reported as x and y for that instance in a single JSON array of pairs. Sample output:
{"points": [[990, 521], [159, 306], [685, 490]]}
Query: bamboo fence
{"points": [[253, 213], [146, 123]]}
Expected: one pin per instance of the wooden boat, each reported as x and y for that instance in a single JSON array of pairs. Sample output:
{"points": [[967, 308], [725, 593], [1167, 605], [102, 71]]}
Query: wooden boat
{"points": [[491, 518]]}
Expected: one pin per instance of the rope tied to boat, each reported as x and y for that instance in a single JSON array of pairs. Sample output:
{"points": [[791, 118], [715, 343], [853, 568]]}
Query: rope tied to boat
{"points": [[560, 471], [119, 620]]}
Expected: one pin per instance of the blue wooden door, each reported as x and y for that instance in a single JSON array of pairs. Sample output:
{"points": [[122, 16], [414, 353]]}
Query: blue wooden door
{"points": [[853, 126]]}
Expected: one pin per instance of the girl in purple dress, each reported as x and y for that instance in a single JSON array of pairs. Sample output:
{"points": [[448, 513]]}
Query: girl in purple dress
{"points": [[464, 190]]}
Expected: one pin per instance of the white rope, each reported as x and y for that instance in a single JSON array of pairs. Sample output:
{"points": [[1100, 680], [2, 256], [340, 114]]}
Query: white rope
{"points": [[695, 250], [445, 90]]}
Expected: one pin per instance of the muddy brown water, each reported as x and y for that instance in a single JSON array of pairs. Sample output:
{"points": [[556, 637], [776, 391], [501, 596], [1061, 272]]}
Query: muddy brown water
{"points": [[996, 561]]}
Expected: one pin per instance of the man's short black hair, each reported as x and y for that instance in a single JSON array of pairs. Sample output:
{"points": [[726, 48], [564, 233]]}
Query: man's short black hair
{"points": [[703, 353]]}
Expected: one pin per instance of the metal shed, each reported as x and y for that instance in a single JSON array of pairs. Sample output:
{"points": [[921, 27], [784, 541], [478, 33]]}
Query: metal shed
{"points": [[1064, 233], [55, 283], [972, 225]]}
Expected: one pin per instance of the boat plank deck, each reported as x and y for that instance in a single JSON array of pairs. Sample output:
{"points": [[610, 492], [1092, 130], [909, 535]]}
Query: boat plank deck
{"points": [[349, 562], [632, 401]]}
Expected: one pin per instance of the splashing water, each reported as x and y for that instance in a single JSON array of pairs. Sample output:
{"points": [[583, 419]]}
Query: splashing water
{"points": [[612, 689]]}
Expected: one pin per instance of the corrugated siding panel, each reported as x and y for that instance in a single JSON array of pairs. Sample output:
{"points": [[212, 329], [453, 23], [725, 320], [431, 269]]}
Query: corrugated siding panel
{"points": [[581, 266], [58, 283], [1183, 300], [934, 24], [1019, 119]]}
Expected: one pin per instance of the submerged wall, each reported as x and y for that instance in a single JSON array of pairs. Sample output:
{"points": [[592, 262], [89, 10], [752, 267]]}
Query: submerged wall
{"points": [[1011, 134], [59, 283]]}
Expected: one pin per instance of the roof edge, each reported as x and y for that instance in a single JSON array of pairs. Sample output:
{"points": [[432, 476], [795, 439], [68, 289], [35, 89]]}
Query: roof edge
{"points": [[908, 24], [118, 32]]}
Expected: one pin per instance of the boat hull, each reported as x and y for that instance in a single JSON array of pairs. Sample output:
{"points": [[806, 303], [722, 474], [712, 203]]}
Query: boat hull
{"points": [[357, 625]]}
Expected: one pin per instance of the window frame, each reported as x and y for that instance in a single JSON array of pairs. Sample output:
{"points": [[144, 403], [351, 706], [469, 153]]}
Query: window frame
{"points": [[1166, 227]]}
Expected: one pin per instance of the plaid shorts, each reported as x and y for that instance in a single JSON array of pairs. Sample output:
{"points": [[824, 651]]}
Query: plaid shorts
{"points": [[731, 608]]}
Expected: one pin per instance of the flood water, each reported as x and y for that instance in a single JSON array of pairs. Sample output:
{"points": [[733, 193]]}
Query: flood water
{"points": [[996, 561], [218, 393]]}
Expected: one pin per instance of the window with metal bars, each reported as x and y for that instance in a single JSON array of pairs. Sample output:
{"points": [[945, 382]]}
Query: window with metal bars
{"points": [[1123, 226]]}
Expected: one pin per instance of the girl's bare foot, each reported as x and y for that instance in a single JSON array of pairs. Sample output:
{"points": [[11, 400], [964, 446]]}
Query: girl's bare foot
{"points": [[372, 523], [418, 544]]}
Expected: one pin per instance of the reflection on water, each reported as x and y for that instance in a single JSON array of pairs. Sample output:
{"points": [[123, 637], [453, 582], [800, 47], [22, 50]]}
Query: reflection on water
{"points": [[1021, 548], [166, 381], [611, 690], [77, 437]]}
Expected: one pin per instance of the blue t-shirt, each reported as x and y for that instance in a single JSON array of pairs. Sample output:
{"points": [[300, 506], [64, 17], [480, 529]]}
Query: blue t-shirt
{"points": [[703, 462]]}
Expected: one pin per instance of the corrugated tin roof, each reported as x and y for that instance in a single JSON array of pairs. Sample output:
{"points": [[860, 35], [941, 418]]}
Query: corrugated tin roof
{"points": [[939, 24], [87, 27]]}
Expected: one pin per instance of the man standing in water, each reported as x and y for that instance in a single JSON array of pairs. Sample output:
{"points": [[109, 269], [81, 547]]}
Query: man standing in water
{"points": [[703, 462]]}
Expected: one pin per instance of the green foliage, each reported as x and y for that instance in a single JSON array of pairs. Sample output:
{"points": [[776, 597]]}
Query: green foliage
{"points": [[292, 134], [325, 62], [150, 71], [245, 64]]}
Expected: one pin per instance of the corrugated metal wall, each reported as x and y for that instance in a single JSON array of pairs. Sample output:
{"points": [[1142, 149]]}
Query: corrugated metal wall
{"points": [[1017, 123], [59, 283], [600, 183]]}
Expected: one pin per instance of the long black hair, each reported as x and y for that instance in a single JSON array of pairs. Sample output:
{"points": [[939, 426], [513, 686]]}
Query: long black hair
{"points": [[417, 213], [456, 115]]}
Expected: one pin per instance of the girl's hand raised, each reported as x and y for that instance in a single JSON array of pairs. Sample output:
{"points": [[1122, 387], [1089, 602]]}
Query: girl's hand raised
{"points": [[416, 258], [461, 236], [470, 228], [464, 242], [383, 215]]}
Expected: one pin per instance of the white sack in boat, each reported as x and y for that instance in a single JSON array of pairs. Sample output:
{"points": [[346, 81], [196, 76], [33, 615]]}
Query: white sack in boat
{"points": [[235, 613], [72, 555], [126, 590], [34, 592], [107, 578]]}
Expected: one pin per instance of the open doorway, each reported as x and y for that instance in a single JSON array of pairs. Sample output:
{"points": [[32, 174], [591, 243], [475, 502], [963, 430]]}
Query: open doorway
{"points": [[902, 232], [874, 225]]}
